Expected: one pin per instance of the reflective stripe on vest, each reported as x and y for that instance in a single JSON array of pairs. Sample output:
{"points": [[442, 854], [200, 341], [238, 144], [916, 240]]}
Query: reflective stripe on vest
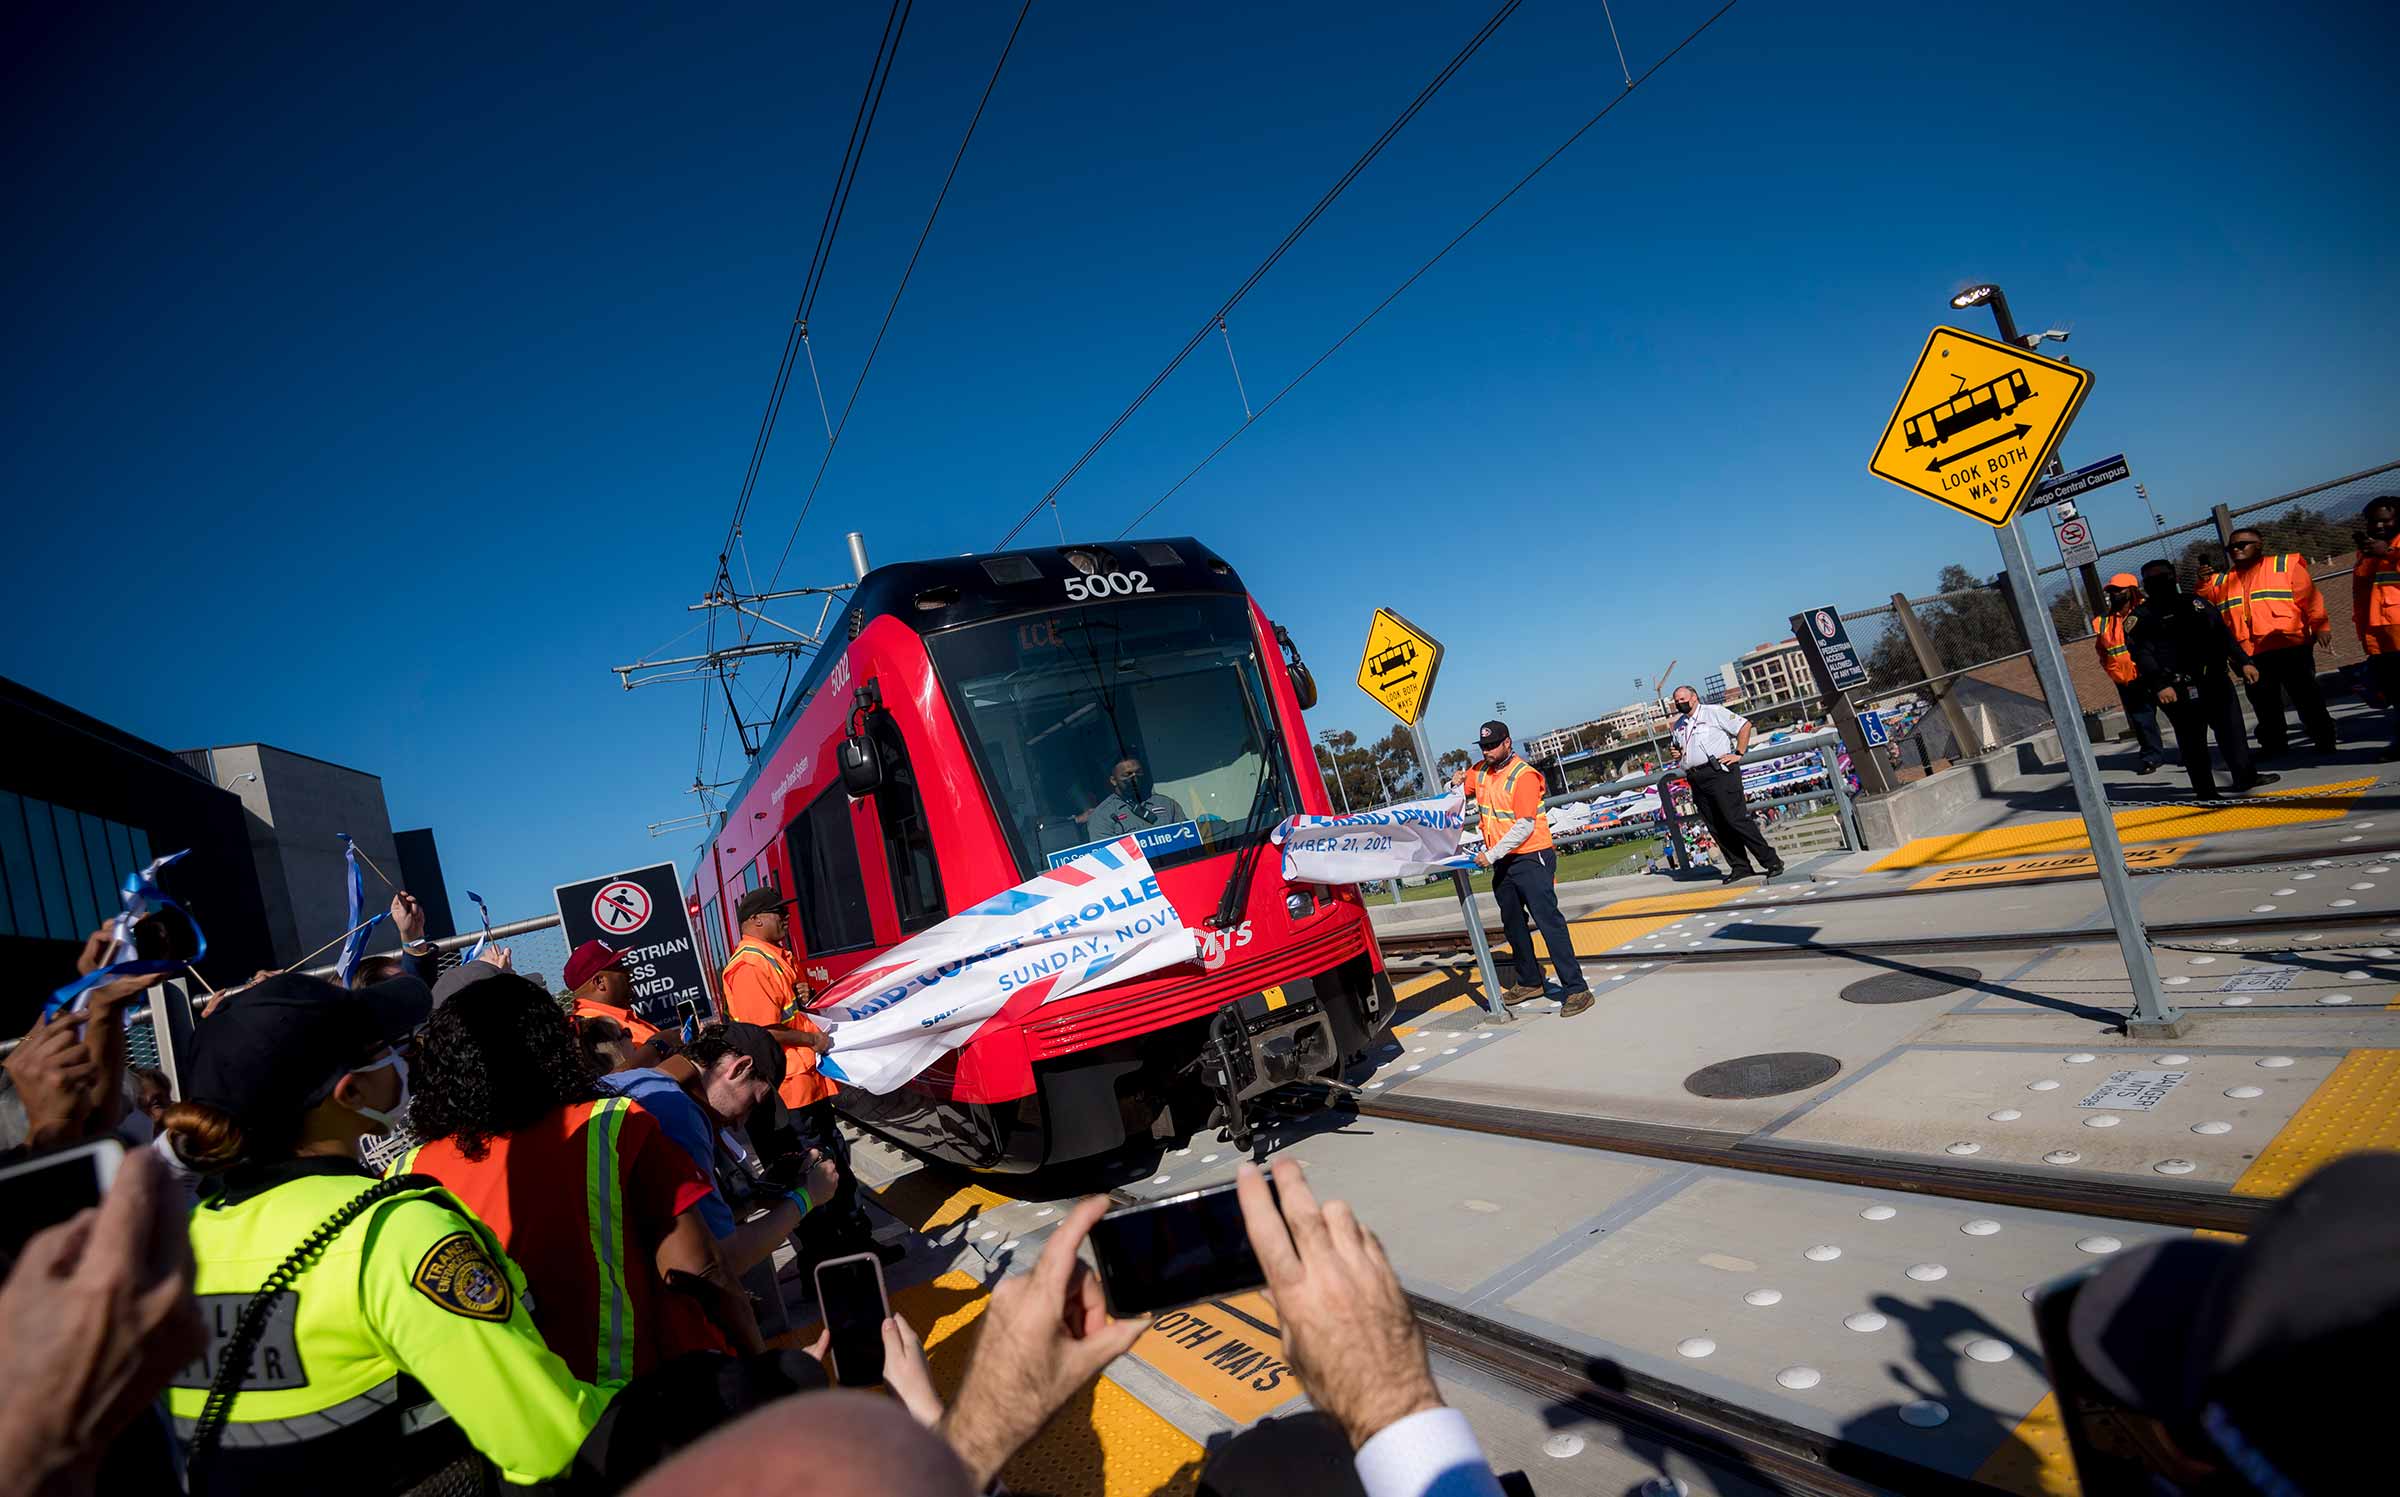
{"points": [[613, 1366], [314, 1425]]}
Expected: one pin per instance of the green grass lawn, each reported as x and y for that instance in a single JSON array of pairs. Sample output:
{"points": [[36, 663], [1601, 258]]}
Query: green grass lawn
{"points": [[1620, 857]]}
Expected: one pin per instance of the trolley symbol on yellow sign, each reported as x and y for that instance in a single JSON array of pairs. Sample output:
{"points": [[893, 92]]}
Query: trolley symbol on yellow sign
{"points": [[1977, 423], [1397, 668]]}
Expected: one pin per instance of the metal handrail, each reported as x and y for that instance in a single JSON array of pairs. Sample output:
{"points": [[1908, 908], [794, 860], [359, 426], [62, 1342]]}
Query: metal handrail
{"points": [[458, 943]]}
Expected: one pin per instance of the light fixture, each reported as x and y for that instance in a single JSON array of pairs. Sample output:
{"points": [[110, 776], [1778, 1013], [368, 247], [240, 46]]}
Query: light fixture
{"points": [[1974, 296]]}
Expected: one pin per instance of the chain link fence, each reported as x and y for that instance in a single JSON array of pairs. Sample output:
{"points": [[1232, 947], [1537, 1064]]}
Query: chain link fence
{"points": [[1950, 670]]}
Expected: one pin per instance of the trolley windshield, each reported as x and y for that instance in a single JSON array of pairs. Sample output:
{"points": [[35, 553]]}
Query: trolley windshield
{"points": [[1147, 717]]}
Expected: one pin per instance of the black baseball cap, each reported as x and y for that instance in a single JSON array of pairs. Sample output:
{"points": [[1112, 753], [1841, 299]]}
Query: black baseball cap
{"points": [[766, 1055], [765, 899], [1494, 734], [275, 1050], [2262, 1354]]}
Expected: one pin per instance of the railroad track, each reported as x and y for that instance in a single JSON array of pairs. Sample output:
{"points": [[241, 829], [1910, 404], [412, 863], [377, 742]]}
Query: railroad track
{"points": [[1441, 947]]}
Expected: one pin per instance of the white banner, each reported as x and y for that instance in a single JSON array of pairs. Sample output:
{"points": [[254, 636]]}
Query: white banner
{"points": [[1414, 837], [1097, 920]]}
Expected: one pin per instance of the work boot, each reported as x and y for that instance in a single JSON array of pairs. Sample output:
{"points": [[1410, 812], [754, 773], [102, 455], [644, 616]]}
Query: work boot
{"points": [[1574, 1003], [1521, 992], [2244, 787]]}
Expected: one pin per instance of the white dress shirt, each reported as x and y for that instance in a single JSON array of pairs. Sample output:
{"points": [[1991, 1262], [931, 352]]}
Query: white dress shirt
{"points": [[1431, 1453], [1707, 734]]}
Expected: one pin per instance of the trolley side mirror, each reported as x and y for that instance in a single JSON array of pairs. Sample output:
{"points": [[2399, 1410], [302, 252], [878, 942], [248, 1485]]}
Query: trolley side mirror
{"points": [[1304, 681], [861, 760]]}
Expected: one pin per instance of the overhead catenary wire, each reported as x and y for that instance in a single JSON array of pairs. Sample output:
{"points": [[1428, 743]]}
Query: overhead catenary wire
{"points": [[862, 124], [1438, 256], [931, 217], [1216, 318]]}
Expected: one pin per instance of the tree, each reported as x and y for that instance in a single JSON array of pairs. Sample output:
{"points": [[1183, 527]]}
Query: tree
{"points": [[1452, 761], [1396, 758]]}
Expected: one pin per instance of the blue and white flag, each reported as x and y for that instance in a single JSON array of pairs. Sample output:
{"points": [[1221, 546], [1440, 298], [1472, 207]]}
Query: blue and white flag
{"points": [[1402, 841], [354, 946], [140, 896], [483, 943], [1090, 923]]}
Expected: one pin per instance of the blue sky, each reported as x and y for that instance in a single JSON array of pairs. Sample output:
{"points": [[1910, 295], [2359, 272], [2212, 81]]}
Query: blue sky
{"points": [[376, 380]]}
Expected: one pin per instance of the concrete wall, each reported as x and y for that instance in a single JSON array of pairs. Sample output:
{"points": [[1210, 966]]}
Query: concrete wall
{"points": [[295, 808]]}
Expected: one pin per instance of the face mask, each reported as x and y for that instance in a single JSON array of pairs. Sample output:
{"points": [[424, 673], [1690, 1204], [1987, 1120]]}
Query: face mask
{"points": [[1133, 786], [390, 1119], [2160, 588], [1687, 708]]}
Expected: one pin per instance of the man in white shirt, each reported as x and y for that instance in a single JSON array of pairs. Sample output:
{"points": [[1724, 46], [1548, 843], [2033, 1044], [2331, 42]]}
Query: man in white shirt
{"points": [[1712, 741]]}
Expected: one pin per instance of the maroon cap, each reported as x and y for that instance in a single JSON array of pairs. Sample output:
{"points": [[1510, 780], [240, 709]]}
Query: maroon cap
{"points": [[589, 960]]}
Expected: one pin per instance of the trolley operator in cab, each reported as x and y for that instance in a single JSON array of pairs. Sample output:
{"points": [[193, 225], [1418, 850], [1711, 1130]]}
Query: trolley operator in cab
{"points": [[1711, 740], [2276, 613], [1504, 794], [2122, 595], [1131, 803], [341, 1308], [762, 986]]}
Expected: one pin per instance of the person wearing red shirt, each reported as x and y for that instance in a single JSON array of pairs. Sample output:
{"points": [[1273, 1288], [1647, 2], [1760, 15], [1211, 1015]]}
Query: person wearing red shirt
{"points": [[583, 1189]]}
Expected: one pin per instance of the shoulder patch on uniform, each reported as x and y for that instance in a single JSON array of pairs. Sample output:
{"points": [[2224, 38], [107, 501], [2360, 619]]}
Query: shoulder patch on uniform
{"points": [[458, 1275]]}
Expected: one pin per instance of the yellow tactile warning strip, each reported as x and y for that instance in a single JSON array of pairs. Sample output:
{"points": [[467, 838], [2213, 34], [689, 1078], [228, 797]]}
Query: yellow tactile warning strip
{"points": [[1106, 1443], [2064, 865], [2143, 824], [927, 1200], [1226, 1352], [2355, 1108], [2036, 1461]]}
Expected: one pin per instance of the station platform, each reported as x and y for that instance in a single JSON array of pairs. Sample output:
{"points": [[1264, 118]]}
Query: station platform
{"points": [[1801, 1167]]}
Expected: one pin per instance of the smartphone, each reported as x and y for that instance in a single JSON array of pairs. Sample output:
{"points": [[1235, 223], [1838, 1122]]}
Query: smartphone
{"points": [[1174, 1252], [850, 1292], [2100, 1434], [165, 936], [46, 1191]]}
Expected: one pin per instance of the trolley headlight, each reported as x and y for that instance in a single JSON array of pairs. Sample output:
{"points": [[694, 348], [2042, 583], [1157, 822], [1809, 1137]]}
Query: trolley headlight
{"points": [[1300, 903]]}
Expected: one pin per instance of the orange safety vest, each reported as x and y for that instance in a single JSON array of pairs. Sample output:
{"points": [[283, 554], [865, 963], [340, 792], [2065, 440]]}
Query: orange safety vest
{"points": [[1502, 798], [637, 1028], [2375, 603], [2108, 637], [2273, 605], [760, 989]]}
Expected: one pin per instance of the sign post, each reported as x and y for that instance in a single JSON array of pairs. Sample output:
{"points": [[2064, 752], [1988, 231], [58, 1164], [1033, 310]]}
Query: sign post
{"points": [[1833, 662], [641, 913], [1976, 421], [1397, 669]]}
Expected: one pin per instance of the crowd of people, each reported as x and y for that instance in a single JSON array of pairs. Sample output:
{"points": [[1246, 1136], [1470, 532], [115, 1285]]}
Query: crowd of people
{"points": [[546, 1290], [2259, 622]]}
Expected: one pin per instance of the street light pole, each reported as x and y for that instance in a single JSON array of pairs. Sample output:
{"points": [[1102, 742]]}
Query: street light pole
{"points": [[2151, 1019]]}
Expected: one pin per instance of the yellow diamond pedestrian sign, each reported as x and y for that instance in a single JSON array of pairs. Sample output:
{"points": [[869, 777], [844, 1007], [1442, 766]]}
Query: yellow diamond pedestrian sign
{"points": [[1397, 668], [1977, 423]]}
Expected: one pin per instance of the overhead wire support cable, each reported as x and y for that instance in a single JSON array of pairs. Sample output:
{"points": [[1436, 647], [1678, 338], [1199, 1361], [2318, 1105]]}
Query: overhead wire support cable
{"points": [[1215, 319], [1438, 256], [1237, 378], [901, 290]]}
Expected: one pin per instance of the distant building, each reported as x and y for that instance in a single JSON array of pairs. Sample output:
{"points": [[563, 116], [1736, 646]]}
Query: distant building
{"points": [[82, 804], [298, 808], [1774, 672], [1722, 685]]}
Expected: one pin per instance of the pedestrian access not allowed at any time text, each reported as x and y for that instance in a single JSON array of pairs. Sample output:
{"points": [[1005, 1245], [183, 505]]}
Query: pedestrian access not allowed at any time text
{"points": [[1977, 423], [1398, 665]]}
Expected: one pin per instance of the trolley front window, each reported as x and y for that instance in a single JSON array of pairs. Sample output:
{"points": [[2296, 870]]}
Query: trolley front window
{"points": [[1147, 717]]}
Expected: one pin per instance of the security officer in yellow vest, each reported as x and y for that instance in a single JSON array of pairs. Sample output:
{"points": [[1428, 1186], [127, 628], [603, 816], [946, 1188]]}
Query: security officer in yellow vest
{"points": [[1504, 795], [366, 1337]]}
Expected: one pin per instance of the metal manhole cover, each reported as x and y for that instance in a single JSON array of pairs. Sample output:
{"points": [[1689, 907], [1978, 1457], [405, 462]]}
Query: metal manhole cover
{"points": [[1769, 1075], [1909, 987]]}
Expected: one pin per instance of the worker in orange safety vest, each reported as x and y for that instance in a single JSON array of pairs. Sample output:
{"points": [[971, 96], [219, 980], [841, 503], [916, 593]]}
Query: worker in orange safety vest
{"points": [[2276, 613], [2375, 604], [2120, 597]]}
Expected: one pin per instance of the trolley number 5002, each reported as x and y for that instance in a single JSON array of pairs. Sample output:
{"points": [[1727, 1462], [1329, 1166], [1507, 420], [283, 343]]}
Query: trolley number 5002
{"points": [[1121, 584]]}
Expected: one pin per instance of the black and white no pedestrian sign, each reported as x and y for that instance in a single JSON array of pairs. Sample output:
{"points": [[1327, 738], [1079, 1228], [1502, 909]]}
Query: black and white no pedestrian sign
{"points": [[642, 914]]}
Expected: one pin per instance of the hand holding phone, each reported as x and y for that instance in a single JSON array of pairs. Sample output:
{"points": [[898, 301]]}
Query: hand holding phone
{"points": [[51, 1188], [850, 1292], [1179, 1251]]}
